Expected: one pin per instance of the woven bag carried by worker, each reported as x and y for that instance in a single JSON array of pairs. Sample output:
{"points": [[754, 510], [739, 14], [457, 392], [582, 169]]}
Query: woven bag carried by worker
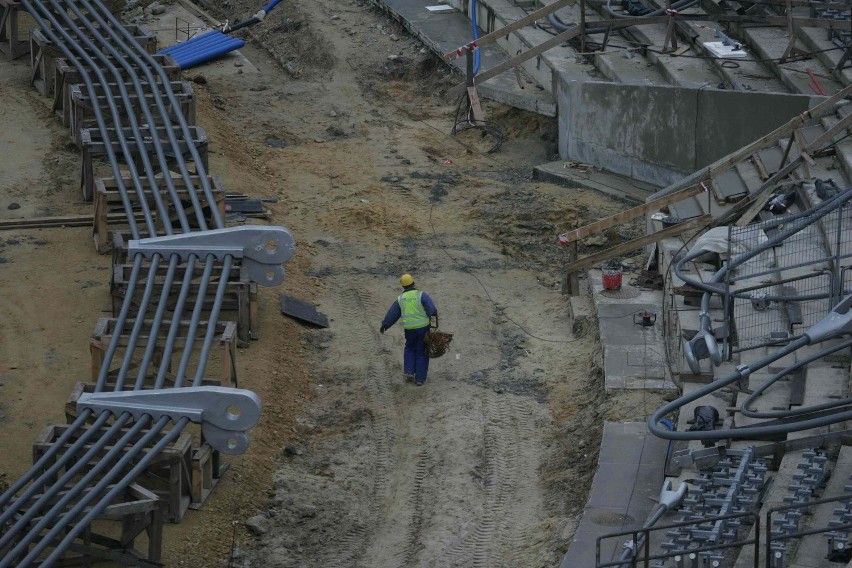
{"points": [[437, 342]]}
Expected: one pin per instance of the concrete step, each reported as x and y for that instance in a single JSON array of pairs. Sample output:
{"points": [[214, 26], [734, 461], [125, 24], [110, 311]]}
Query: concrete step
{"points": [[770, 43], [816, 40]]}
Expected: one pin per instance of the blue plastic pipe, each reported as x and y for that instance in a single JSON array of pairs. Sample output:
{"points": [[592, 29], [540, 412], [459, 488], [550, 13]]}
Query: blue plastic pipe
{"points": [[475, 34], [214, 51]]}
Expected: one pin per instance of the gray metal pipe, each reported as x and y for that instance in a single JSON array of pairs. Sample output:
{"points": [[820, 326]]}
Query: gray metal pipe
{"points": [[210, 262], [111, 157], [138, 54], [154, 332], [85, 63], [49, 518], [138, 324], [155, 90], [212, 320]]}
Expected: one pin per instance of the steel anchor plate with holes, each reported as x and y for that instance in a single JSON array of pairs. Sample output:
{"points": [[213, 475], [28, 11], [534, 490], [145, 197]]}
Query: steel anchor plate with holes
{"points": [[225, 414], [262, 249]]}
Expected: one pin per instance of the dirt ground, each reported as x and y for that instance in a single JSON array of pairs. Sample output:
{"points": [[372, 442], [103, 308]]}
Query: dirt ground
{"points": [[490, 463]]}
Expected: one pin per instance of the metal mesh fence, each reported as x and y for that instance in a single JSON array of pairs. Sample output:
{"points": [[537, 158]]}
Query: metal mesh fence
{"points": [[775, 296]]}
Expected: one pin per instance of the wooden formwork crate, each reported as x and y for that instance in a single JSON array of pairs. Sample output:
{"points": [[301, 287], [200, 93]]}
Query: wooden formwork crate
{"points": [[93, 145], [11, 42], [168, 475], [205, 465], [44, 55], [83, 115], [65, 75], [207, 469], [107, 196], [225, 342], [113, 534], [240, 295]]}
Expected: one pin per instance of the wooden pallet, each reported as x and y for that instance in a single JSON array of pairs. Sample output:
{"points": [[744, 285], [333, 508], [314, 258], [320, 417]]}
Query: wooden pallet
{"points": [[93, 145], [107, 199], [83, 115], [66, 75], [225, 343], [240, 296], [10, 43]]}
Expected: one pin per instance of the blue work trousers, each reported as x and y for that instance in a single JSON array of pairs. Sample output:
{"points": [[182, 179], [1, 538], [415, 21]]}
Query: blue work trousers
{"points": [[414, 359]]}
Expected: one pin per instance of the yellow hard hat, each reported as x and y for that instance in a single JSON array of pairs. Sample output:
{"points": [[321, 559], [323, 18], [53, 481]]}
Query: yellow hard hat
{"points": [[406, 280]]}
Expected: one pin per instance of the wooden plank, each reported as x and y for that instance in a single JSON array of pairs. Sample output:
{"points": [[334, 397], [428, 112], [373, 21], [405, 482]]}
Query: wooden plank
{"points": [[506, 30], [619, 218], [589, 261], [475, 107], [826, 136], [63, 221]]}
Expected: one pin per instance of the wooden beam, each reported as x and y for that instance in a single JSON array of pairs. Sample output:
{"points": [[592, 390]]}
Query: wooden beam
{"points": [[63, 221], [826, 136], [589, 261], [506, 30], [619, 218]]}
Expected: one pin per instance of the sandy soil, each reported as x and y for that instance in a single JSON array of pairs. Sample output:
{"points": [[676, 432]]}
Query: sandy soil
{"points": [[490, 463]]}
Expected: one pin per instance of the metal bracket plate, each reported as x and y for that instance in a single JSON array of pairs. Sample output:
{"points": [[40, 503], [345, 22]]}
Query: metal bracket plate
{"points": [[702, 459], [262, 249], [224, 413]]}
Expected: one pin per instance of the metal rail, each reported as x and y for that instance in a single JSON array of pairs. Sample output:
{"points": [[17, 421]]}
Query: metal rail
{"points": [[94, 42]]}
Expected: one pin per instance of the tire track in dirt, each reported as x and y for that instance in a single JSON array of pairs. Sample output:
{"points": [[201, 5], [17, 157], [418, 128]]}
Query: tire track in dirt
{"points": [[484, 546], [415, 526], [518, 530], [397, 476], [354, 544]]}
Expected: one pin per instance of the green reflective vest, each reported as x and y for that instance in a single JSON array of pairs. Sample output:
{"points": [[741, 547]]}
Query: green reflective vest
{"points": [[413, 314]]}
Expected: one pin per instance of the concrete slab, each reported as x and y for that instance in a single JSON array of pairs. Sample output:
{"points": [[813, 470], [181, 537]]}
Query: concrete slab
{"points": [[634, 356], [582, 175], [626, 484]]}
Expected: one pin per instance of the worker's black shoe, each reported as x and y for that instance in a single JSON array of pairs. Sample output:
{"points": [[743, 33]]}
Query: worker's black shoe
{"points": [[409, 377]]}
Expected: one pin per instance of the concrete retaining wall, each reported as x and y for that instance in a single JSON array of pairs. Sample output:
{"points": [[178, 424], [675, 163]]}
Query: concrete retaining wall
{"points": [[658, 134]]}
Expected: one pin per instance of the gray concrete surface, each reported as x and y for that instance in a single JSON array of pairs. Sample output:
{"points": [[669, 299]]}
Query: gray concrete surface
{"points": [[624, 491], [633, 355], [658, 134], [573, 174]]}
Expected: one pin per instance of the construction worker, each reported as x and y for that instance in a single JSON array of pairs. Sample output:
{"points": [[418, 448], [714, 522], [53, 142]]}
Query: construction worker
{"points": [[415, 307]]}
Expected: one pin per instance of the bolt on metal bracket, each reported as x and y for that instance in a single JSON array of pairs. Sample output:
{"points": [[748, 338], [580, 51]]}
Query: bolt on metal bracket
{"points": [[262, 249], [224, 413]]}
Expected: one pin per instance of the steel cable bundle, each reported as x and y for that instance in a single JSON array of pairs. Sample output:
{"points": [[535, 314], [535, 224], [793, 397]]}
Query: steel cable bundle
{"points": [[60, 496]]}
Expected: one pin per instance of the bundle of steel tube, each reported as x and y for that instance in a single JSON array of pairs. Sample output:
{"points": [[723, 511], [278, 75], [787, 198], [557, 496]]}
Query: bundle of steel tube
{"points": [[44, 511]]}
